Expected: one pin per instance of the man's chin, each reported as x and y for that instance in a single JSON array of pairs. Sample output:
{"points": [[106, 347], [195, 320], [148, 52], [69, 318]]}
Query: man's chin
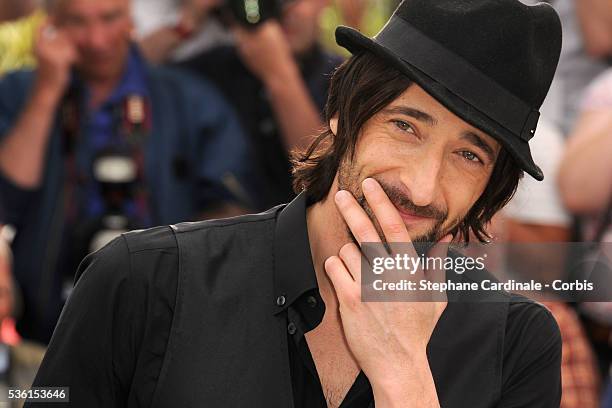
{"points": [[99, 73], [424, 237], [423, 233]]}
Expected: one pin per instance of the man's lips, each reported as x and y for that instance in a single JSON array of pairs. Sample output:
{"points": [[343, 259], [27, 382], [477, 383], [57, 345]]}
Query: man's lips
{"points": [[410, 217]]}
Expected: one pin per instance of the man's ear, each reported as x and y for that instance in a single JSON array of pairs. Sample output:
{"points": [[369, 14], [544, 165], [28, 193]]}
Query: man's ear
{"points": [[333, 125]]}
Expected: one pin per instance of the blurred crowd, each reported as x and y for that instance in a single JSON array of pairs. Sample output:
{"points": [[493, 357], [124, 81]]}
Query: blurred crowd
{"points": [[118, 115]]}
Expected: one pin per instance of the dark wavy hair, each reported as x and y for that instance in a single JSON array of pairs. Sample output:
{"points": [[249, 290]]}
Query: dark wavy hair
{"points": [[361, 87]]}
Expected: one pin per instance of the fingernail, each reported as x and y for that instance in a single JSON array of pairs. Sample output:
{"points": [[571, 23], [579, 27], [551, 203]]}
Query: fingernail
{"points": [[341, 196], [369, 184]]}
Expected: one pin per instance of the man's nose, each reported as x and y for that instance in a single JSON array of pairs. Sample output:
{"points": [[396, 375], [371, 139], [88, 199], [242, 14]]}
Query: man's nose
{"points": [[422, 178], [97, 39]]}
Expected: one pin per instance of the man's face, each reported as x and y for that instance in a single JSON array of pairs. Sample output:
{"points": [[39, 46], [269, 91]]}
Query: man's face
{"points": [[300, 22], [100, 30], [433, 165]]}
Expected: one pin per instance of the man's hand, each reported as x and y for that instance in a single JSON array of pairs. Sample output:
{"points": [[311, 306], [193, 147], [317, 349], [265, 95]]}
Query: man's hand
{"points": [[23, 149], [194, 12], [55, 55], [388, 339], [266, 52], [353, 12]]}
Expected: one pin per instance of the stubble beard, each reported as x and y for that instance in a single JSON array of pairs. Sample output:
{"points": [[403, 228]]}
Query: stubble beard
{"points": [[348, 180]]}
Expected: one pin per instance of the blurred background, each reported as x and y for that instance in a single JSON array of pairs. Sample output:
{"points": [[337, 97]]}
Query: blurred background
{"points": [[118, 115]]}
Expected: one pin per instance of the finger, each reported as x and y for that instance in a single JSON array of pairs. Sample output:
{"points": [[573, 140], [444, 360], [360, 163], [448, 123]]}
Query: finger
{"points": [[354, 260], [43, 30], [387, 215], [340, 277], [51, 34], [356, 218], [240, 34], [390, 221], [351, 257]]}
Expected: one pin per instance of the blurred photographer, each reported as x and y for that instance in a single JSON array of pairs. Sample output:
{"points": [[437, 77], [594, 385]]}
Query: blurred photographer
{"points": [[276, 77], [96, 142]]}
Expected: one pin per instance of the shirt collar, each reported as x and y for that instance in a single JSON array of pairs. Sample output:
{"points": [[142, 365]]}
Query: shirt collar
{"points": [[294, 272], [133, 81]]}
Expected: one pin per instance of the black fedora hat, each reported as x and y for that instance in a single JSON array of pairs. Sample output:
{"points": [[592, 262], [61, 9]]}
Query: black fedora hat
{"points": [[490, 62]]}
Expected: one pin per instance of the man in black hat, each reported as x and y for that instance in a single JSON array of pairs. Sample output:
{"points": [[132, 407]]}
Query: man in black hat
{"points": [[428, 133]]}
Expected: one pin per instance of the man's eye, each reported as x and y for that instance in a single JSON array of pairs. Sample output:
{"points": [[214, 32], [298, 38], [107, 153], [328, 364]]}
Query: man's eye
{"points": [[471, 156], [403, 126], [109, 18]]}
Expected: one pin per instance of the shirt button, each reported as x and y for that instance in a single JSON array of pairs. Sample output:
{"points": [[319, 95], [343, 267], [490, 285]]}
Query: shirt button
{"points": [[267, 127], [280, 301], [291, 328], [312, 301]]}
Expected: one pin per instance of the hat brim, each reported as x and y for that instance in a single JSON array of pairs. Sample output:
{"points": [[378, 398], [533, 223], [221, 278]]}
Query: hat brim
{"points": [[355, 43]]}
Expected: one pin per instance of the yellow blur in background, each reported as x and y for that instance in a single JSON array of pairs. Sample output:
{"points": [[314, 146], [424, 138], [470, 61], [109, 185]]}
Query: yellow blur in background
{"points": [[17, 40]]}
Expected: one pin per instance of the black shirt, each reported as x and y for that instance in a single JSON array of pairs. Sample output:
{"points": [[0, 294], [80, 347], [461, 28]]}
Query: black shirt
{"points": [[214, 314], [223, 67], [304, 315]]}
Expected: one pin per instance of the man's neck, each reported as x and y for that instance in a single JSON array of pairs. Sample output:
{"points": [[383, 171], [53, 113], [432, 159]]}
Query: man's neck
{"points": [[99, 92], [327, 234], [100, 89]]}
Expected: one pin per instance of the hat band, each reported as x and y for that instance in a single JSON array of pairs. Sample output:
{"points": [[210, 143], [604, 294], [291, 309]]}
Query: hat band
{"points": [[459, 77]]}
